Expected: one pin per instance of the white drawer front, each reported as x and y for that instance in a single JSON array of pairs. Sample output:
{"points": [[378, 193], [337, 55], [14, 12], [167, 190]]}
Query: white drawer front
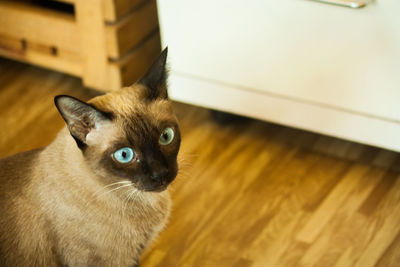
{"points": [[314, 53]]}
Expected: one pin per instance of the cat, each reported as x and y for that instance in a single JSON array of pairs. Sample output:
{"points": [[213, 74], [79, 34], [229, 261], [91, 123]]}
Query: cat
{"points": [[97, 195]]}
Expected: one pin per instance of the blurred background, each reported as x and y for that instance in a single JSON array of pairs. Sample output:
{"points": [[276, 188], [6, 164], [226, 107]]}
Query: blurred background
{"points": [[289, 115]]}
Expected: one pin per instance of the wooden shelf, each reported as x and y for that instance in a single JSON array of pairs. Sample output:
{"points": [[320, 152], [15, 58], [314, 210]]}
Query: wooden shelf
{"points": [[94, 42]]}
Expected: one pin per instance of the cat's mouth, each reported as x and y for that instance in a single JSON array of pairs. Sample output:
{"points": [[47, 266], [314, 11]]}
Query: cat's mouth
{"points": [[159, 186], [157, 189]]}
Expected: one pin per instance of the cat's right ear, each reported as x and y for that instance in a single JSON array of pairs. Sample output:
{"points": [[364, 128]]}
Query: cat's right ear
{"points": [[155, 78], [80, 117]]}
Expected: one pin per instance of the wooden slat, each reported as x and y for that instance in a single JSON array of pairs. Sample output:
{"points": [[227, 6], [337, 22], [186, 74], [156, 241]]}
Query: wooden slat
{"points": [[25, 21], [11, 44], [115, 9], [66, 1], [56, 63], [131, 30], [89, 19], [134, 64], [335, 200], [39, 54]]}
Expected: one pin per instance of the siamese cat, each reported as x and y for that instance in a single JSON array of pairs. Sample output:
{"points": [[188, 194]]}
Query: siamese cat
{"points": [[97, 195]]}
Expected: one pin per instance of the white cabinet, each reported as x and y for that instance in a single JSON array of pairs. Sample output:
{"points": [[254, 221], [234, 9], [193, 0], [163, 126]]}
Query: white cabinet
{"points": [[323, 68]]}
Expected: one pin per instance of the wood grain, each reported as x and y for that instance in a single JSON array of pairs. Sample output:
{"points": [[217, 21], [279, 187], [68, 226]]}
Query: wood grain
{"points": [[248, 194], [89, 19], [115, 9], [128, 32], [134, 64], [40, 25], [41, 55]]}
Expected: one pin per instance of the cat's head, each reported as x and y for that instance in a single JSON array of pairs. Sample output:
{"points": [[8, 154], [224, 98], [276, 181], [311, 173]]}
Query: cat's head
{"points": [[129, 134]]}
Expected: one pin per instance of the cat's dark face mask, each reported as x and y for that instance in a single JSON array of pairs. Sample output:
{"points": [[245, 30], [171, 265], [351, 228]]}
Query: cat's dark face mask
{"points": [[157, 157], [147, 155], [128, 135]]}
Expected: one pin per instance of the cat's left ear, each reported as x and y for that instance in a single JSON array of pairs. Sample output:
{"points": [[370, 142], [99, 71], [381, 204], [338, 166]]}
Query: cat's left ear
{"points": [[155, 78], [80, 117]]}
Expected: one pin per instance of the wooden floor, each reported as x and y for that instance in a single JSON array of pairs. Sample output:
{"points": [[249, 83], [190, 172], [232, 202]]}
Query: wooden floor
{"points": [[249, 194]]}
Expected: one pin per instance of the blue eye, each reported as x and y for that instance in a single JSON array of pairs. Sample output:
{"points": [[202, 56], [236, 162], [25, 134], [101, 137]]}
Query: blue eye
{"points": [[124, 155], [166, 137]]}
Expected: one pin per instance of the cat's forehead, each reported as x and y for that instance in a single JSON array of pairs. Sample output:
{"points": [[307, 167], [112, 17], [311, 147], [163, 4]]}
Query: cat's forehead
{"points": [[131, 101], [135, 119]]}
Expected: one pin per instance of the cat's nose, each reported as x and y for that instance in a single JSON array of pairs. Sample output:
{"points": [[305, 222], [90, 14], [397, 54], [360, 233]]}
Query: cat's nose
{"points": [[159, 175]]}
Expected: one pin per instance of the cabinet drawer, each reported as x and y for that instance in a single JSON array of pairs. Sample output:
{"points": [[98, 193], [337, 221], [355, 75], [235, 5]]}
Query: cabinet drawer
{"points": [[311, 52]]}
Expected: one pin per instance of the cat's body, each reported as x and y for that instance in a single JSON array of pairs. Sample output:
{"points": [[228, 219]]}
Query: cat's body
{"points": [[59, 215], [72, 203]]}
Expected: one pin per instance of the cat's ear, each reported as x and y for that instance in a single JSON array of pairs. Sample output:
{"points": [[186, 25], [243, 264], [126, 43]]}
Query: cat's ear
{"points": [[80, 117], [155, 78]]}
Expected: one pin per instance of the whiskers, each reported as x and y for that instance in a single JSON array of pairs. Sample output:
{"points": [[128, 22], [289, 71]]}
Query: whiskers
{"points": [[131, 196], [185, 163], [124, 192], [109, 188]]}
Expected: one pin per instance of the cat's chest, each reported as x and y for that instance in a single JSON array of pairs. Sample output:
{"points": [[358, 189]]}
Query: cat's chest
{"points": [[108, 235]]}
